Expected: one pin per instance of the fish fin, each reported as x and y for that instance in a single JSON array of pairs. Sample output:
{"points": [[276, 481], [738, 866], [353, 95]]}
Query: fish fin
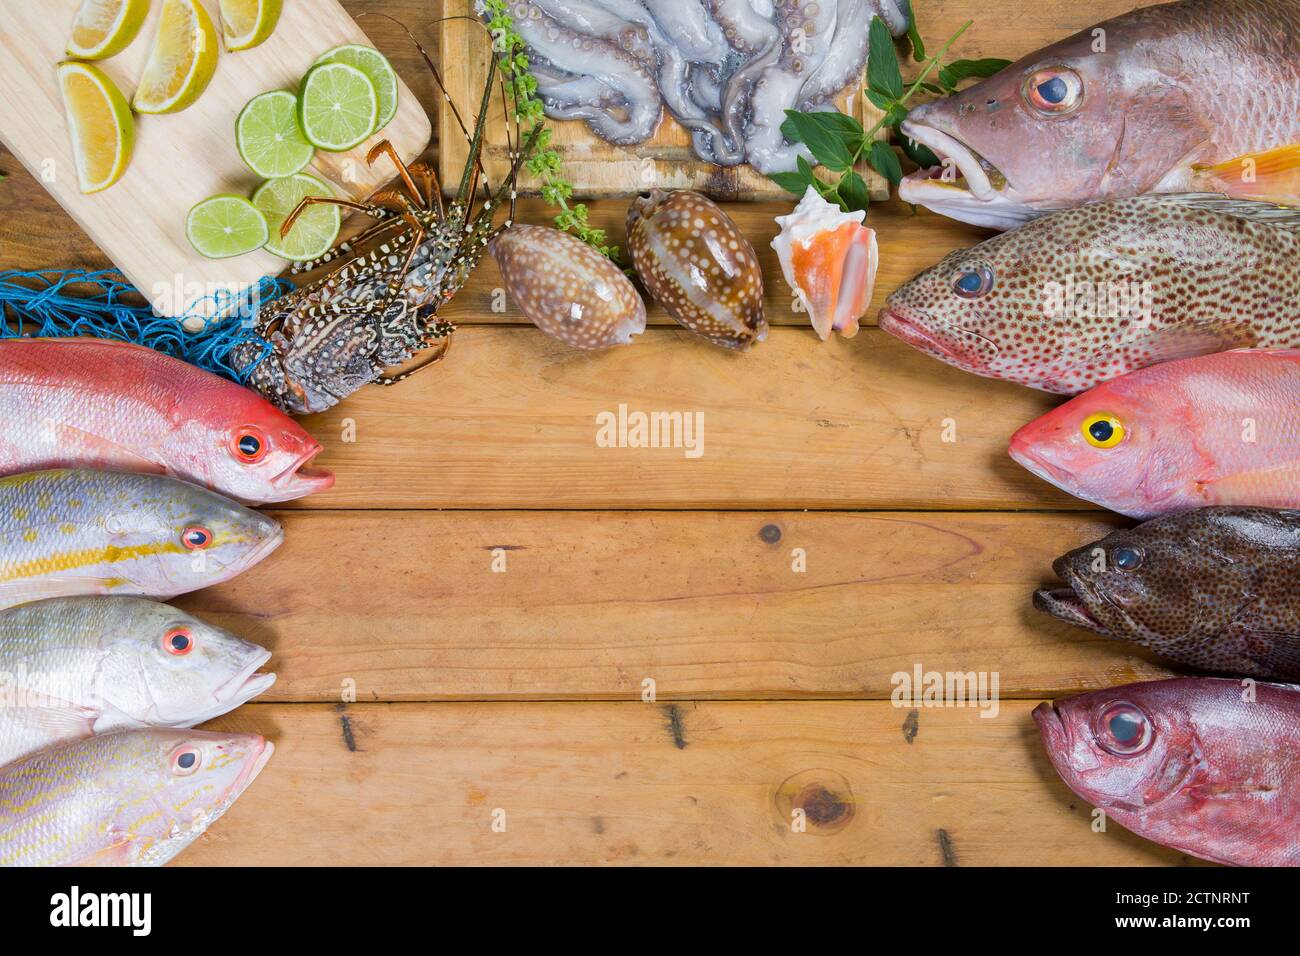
{"points": [[1267, 213], [1271, 176], [117, 853], [1167, 345], [55, 719], [96, 450], [1276, 651], [13, 593]]}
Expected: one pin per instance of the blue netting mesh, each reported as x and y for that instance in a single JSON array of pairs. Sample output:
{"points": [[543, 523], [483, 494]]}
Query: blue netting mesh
{"points": [[63, 303]]}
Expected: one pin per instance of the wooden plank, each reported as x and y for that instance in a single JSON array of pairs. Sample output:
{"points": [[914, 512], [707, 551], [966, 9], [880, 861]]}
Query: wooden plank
{"points": [[594, 167], [705, 605], [510, 420], [140, 221], [910, 241], [635, 783]]}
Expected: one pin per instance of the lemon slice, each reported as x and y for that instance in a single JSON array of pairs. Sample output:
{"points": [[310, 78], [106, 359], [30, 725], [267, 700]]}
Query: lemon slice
{"points": [[225, 226], [100, 120], [246, 23], [315, 230], [182, 61], [106, 27]]}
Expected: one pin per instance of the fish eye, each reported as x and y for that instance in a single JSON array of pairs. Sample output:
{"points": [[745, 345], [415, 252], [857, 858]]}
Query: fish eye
{"points": [[1054, 91], [1123, 729], [186, 760], [179, 641], [196, 538], [1102, 430], [1126, 559], [973, 283], [249, 445]]}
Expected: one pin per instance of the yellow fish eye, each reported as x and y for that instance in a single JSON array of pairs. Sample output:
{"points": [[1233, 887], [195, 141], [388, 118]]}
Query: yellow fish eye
{"points": [[1102, 430]]}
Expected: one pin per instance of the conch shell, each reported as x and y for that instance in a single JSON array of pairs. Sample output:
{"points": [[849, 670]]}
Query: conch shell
{"points": [[693, 259], [829, 258], [568, 289]]}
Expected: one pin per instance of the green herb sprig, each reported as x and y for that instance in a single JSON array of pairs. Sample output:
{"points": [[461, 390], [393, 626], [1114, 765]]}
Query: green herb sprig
{"points": [[544, 162], [838, 142]]}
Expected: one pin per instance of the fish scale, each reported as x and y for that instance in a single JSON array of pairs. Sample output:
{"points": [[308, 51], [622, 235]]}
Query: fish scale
{"points": [[67, 532]]}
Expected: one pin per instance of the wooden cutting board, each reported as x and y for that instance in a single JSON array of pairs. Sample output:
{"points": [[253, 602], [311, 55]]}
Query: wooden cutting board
{"points": [[596, 168], [183, 157]]}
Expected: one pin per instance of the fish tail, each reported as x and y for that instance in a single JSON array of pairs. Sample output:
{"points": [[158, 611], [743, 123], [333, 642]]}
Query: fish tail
{"points": [[1271, 176]]}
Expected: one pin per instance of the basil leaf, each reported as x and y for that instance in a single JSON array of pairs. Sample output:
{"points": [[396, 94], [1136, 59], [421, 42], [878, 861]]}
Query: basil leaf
{"points": [[790, 182], [884, 161], [959, 70], [825, 136], [913, 34], [883, 74], [852, 192]]}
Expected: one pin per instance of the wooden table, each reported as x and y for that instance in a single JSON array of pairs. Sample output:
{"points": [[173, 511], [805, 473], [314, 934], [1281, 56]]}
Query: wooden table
{"points": [[431, 709]]}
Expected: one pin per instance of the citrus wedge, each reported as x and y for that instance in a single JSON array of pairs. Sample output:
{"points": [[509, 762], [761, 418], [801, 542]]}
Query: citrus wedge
{"points": [[246, 23], [225, 226], [182, 61], [106, 27], [268, 136], [103, 131], [315, 230], [337, 107], [377, 70]]}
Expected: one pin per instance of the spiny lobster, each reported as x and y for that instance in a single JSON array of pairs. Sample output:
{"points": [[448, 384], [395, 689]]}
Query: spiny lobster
{"points": [[377, 305]]}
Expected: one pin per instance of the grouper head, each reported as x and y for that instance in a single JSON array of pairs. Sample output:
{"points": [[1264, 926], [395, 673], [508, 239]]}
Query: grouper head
{"points": [[1098, 115]]}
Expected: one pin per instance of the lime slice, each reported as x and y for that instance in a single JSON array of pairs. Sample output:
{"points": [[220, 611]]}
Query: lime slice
{"points": [[337, 106], [269, 138], [226, 226], [182, 60], [314, 232], [377, 70], [99, 118], [106, 27], [246, 23]]}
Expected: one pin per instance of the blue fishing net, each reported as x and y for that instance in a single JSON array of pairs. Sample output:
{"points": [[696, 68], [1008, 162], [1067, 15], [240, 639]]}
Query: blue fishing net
{"points": [[64, 303]]}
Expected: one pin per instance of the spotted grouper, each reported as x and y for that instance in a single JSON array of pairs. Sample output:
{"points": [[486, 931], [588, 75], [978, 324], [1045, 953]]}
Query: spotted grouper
{"points": [[1211, 588], [1085, 295], [1189, 96], [1209, 766]]}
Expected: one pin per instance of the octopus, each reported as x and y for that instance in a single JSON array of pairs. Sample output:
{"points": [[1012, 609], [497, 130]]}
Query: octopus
{"points": [[726, 70]]}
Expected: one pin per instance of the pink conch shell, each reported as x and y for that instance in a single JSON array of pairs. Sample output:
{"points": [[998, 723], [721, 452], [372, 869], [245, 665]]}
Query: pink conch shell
{"points": [[829, 259], [568, 289]]}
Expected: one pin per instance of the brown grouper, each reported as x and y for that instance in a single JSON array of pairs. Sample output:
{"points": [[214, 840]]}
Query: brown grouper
{"points": [[1086, 295], [1212, 588], [1209, 766], [1200, 95]]}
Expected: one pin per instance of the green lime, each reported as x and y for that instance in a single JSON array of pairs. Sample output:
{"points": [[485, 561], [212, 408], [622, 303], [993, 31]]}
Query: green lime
{"points": [[268, 136], [314, 231], [337, 106], [377, 70], [225, 226]]}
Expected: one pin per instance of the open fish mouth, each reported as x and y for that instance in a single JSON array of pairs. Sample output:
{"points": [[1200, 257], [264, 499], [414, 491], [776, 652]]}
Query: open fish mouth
{"points": [[1064, 604], [301, 479], [954, 345], [978, 193], [247, 684]]}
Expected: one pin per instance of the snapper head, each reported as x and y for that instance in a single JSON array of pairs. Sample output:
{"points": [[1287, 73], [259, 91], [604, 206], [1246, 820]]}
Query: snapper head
{"points": [[1126, 750], [162, 667], [1113, 447], [1065, 125], [250, 450]]}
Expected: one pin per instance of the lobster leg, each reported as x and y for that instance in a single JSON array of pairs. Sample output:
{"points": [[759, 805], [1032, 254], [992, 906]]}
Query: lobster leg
{"points": [[385, 148], [302, 207]]}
